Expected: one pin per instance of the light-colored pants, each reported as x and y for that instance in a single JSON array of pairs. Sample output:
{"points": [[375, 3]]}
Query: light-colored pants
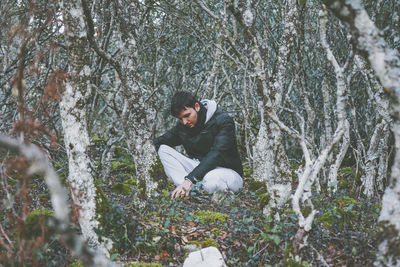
{"points": [[177, 166]]}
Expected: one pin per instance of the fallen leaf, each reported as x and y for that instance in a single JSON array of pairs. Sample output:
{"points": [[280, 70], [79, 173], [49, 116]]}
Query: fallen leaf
{"points": [[224, 235], [164, 254]]}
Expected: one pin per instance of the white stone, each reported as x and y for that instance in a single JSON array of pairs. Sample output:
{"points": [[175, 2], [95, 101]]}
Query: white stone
{"points": [[207, 257]]}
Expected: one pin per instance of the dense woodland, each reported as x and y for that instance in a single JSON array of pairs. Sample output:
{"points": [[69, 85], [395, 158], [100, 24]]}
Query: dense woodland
{"points": [[313, 87]]}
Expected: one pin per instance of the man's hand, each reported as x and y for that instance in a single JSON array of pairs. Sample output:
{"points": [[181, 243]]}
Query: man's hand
{"points": [[182, 190]]}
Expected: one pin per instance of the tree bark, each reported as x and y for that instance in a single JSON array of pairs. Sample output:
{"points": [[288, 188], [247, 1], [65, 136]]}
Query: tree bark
{"points": [[73, 117], [136, 112], [40, 165], [386, 64], [270, 161]]}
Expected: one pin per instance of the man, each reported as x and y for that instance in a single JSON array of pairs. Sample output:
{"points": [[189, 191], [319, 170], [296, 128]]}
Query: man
{"points": [[208, 136]]}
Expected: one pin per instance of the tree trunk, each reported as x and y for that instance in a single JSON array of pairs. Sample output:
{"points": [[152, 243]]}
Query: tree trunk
{"points": [[41, 166], [73, 117], [386, 64], [269, 160], [136, 113]]}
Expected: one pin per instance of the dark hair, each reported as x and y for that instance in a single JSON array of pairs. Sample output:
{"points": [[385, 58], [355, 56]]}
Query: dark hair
{"points": [[180, 101]]}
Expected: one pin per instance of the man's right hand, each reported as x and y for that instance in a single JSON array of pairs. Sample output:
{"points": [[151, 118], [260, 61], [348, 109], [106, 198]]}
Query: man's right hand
{"points": [[182, 190]]}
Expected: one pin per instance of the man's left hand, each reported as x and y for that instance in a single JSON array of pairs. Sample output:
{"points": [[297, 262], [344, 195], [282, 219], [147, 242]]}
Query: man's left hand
{"points": [[182, 190]]}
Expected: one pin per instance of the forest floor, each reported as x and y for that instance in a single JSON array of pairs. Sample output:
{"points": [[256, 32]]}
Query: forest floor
{"points": [[343, 231], [161, 231]]}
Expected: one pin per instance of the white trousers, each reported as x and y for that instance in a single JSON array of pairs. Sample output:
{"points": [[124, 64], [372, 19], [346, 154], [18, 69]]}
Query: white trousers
{"points": [[177, 166]]}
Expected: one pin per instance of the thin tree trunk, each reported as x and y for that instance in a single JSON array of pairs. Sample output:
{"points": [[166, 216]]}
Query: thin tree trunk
{"points": [[136, 113], [74, 122], [269, 160], [386, 64], [40, 165]]}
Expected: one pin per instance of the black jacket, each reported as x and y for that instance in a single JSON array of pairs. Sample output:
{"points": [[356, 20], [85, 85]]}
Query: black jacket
{"points": [[214, 144]]}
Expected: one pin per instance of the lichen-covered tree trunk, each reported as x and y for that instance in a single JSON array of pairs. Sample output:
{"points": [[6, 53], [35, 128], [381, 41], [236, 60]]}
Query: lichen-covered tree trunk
{"points": [[386, 64], [375, 159], [268, 150], [269, 160], [341, 99], [372, 161], [73, 117], [137, 114], [41, 166]]}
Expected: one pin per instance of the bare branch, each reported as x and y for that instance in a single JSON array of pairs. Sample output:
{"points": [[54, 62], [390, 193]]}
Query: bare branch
{"points": [[207, 10], [41, 165]]}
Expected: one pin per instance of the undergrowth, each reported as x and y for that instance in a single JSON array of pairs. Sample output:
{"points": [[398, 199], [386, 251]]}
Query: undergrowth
{"points": [[163, 231]]}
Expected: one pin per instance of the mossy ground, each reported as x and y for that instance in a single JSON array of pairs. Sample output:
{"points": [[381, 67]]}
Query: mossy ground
{"points": [[37, 222], [343, 232], [234, 223]]}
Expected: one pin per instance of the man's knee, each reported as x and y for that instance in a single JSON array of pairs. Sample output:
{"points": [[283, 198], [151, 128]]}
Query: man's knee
{"points": [[222, 179], [211, 186], [164, 149], [212, 182]]}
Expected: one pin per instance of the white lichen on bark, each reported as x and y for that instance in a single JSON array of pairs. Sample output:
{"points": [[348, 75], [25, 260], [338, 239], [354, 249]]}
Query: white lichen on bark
{"points": [[74, 122], [270, 162], [340, 108], [386, 64], [314, 163], [137, 116], [41, 165]]}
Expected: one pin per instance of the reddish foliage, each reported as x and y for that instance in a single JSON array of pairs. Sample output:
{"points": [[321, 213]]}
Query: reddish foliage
{"points": [[17, 168], [55, 86], [30, 126]]}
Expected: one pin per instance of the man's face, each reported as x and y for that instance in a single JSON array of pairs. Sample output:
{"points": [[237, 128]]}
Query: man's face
{"points": [[188, 116]]}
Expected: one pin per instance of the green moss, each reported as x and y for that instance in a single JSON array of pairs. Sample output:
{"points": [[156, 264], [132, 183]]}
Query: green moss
{"points": [[132, 181], [102, 205], [376, 209], [264, 200], [260, 190], [257, 185], [114, 221], [76, 264], [121, 188], [247, 171], [204, 243], [141, 264], [117, 165], [289, 259], [289, 212], [142, 189], [206, 216], [306, 211], [37, 221], [216, 231], [96, 139]]}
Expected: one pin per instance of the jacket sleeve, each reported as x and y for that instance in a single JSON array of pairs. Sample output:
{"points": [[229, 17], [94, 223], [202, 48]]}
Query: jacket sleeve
{"points": [[170, 138], [223, 141]]}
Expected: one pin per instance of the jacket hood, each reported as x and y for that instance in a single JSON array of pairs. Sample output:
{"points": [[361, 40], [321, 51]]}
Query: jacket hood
{"points": [[211, 107]]}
